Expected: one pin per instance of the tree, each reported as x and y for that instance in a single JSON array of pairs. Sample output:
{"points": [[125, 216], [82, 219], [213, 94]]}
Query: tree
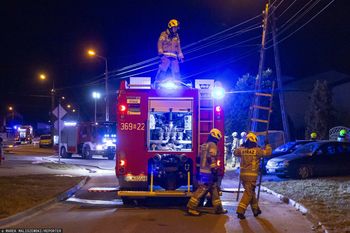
{"points": [[237, 104], [318, 116]]}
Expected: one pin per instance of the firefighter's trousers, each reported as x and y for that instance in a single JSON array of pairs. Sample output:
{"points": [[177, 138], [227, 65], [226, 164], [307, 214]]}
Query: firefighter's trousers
{"points": [[201, 192], [167, 62], [249, 197]]}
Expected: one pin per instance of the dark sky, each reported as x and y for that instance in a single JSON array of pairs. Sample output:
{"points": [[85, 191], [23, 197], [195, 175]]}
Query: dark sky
{"points": [[51, 36]]}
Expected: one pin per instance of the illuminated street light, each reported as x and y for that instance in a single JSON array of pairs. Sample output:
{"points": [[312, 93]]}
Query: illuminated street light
{"points": [[69, 106], [92, 53], [96, 96], [10, 108], [43, 77], [73, 110]]}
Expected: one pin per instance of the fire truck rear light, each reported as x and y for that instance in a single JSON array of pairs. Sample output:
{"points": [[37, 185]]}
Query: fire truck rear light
{"points": [[122, 163], [218, 163], [122, 108], [218, 109]]}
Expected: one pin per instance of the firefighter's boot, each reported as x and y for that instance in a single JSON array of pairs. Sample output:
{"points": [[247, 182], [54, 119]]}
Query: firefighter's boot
{"points": [[221, 211], [256, 212], [240, 216], [193, 212]]}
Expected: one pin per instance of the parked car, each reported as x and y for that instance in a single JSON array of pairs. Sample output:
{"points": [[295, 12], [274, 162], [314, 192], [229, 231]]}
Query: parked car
{"points": [[284, 149], [322, 158], [45, 141]]}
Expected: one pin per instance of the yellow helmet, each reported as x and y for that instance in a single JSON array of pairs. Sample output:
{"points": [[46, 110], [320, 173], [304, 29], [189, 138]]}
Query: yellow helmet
{"points": [[313, 135], [173, 23], [252, 137], [216, 133]]}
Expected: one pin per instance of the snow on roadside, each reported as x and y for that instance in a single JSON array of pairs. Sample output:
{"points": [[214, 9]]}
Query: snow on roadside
{"points": [[328, 199]]}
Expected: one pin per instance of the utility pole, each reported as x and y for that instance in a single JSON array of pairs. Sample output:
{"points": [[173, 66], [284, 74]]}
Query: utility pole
{"points": [[261, 67], [106, 89], [279, 79]]}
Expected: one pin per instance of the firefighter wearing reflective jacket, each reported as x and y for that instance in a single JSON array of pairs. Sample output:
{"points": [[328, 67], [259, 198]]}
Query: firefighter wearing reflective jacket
{"points": [[250, 155], [169, 50], [208, 181]]}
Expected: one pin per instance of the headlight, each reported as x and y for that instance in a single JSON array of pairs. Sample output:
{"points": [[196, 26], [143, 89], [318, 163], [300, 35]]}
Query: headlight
{"points": [[270, 163], [283, 163]]}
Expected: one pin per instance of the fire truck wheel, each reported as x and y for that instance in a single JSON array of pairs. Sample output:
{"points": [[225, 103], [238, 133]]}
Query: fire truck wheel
{"points": [[63, 152], [87, 152]]}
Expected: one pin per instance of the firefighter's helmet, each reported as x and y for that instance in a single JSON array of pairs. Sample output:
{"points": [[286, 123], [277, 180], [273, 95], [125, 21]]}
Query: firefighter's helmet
{"points": [[216, 133], [243, 134], [234, 134], [313, 135], [252, 137], [342, 132], [173, 23]]}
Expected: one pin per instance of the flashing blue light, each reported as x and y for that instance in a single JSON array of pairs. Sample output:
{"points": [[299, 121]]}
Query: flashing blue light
{"points": [[70, 123], [15, 127], [218, 93], [169, 84]]}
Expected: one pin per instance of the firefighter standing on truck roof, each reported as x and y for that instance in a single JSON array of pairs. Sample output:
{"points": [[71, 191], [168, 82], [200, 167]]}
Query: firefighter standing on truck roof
{"points": [[208, 175], [169, 50], [250, 155]]}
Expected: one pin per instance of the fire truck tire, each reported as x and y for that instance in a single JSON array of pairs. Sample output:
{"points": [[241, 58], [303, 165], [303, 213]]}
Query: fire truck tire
{"points": [[87, 152], [63, 152]]}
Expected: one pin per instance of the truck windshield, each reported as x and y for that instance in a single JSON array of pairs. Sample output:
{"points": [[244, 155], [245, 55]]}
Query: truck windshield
{"points": [[170, 131]]}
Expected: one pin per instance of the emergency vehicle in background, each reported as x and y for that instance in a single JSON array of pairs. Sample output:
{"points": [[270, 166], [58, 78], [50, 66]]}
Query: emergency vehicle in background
{"points": [[87, 139], [159, 136], [23, 134]]}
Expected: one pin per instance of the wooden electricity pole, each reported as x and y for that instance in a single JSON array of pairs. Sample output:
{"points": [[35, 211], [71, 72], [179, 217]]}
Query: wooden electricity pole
{"points": [[279, 79]]}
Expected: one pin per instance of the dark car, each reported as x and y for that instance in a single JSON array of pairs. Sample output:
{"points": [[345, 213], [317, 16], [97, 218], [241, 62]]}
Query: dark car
{"points": [[284, 149], [323, 158]]}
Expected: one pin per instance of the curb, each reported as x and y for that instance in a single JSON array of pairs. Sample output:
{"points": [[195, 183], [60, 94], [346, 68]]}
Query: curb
{"points": [[292, 203], [63, 196]]}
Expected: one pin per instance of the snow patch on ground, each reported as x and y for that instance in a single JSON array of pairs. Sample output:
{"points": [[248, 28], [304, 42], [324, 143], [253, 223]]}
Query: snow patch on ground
{"points": [[328, 199]]}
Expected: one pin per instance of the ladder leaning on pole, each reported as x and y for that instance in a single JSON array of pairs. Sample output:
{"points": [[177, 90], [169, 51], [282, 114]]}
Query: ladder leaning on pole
{"points": [[260, 113]]}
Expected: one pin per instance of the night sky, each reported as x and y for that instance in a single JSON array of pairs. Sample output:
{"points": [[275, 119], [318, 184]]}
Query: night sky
{"points": [[52, 37]]}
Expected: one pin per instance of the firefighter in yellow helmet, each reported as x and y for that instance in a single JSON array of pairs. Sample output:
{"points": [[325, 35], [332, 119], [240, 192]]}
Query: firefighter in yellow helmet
{"points": [[169, 50], [208, 181], [250, 155], [313, 136]]}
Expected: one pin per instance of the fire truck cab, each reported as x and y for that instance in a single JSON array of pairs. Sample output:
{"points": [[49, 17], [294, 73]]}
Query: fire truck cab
{"points": [[88, 139], [159, 136]]}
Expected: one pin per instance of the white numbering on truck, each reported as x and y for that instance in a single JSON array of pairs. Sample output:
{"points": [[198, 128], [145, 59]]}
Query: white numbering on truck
{"points": [[132, 126]]}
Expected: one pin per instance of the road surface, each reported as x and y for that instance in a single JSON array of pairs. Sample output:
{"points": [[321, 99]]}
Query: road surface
{"points": [[104, 212]]}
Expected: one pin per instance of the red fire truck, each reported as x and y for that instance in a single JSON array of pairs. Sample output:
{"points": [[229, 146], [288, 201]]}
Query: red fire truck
{"points": [[159, 135], [87, 139], [23, 134]]}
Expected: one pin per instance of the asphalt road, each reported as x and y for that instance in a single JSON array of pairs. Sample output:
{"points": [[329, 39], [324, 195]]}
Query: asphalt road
{"points": [[104, 212]]}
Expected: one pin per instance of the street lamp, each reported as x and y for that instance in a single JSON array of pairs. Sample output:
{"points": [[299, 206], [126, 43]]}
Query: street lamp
{"points": [[11, 109], [96, 95], [43, 77], [92, 53]]}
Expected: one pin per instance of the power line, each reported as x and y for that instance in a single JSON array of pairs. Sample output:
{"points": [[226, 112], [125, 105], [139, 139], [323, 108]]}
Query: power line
{"points": [[291, 34]]}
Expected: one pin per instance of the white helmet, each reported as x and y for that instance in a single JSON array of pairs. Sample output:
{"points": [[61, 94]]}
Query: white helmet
{"points": [[234, 134], [243, 134]]}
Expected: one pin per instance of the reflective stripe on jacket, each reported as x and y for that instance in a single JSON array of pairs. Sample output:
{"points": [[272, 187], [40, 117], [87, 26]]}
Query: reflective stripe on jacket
{"points": [[250, 159], [169, 44]]}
